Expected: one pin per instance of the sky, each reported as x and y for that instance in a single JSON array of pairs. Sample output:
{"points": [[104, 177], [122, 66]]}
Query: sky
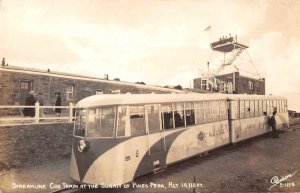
{"points": [[159, 42]]}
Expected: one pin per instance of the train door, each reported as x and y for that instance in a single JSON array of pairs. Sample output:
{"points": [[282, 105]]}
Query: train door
{"points": [[156, 137]]}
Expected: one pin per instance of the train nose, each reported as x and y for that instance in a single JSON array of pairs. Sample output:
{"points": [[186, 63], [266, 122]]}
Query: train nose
{"points": [[74, 173], [81, 159]]}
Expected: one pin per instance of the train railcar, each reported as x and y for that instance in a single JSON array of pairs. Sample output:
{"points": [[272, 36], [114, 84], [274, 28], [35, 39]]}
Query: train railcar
{"points": [[249, 114], [120, 137]]}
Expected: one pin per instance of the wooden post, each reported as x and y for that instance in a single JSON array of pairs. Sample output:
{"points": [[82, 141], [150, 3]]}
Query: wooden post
{"points": [[37, 112], [71, 112]]}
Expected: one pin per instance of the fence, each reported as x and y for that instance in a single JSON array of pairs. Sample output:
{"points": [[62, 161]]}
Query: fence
{"points": [[15, 114]]}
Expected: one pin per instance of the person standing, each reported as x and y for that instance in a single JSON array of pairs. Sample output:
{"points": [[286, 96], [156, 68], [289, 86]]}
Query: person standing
{"points": [[30, 101], [273, 125], [58, 103]]}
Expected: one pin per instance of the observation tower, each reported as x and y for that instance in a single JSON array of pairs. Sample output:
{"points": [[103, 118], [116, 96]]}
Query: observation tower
{"points": [[227, 77]]}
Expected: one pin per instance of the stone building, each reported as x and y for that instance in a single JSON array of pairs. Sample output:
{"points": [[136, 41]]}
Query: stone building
{"points": [[232, 83], [16, 82]]}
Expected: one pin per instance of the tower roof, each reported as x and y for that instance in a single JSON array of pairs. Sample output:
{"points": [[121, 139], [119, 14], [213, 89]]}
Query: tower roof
{"points": [[226, 45]]}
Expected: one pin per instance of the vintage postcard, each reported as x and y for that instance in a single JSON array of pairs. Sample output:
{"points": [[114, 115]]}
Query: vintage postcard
{"points": [[141, 96]]}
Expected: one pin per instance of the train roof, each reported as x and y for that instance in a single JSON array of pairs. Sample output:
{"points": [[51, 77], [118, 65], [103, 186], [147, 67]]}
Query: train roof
{"points": [[127, 99], [119, 99]]}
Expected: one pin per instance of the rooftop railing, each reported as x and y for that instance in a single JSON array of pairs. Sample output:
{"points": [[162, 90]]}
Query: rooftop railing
{"points": [[15, 115]]}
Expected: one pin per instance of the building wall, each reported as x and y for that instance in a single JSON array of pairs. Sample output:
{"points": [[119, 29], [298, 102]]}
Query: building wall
{"points": [[197, 83], [241, 83], [10, 88], [242, 86], [34, 144]]}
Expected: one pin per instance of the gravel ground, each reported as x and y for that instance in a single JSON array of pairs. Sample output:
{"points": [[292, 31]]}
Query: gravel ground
{"points": [[245, 167]]}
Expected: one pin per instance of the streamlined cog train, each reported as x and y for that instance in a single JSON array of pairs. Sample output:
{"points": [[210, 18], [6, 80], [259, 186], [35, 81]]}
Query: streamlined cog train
{"points": [[120, 137]]}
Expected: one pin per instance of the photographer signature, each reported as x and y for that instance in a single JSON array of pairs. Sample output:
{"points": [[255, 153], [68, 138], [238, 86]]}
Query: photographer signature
{"points": [[275, 180]]}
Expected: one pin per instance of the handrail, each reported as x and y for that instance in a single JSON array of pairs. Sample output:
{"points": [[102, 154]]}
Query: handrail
{"points": [[37, 118], [16, 106]]}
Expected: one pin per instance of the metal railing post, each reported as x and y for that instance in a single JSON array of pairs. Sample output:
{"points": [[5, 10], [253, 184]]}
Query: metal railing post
{"points": [[71, 112], [37, 112]]}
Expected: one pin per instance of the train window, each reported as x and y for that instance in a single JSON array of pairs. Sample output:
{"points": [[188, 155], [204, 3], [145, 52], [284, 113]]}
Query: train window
{"points": [[269, 106], [264, 106], [121, 121], [251, 108], [80, 121], [207, 106], [233, 110], [260, 108], [215, 110], [274, 106], [247, 109], [278, 106], [178, 115], [285, 106], [242, 109], [199, 112], [223, 110], [153, 119], [101, 122], [256, 110], [189, 114], [167, 116], [137, 120]]}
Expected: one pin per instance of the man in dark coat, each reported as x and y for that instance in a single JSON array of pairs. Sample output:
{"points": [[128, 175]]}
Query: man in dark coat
{"points": [[30, 101], [273, 125], [58, 103]]}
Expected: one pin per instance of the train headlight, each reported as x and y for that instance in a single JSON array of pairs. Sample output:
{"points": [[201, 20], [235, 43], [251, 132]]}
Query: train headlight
{"points": [[83, 145]]}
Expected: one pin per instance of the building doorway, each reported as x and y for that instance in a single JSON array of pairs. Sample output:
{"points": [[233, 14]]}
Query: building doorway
{"points": [[25, 88]]}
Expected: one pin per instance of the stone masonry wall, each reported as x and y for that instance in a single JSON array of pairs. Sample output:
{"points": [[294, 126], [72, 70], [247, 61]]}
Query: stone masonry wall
{"points": [[241, 84], [21, 146], [48, 85]]}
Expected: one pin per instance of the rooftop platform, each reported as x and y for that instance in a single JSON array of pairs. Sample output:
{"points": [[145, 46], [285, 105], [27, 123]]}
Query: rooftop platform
{"points": [[226, 45]]}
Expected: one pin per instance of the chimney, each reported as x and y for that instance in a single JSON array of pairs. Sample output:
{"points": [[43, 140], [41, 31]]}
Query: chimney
{"points": [[3, 62], [106, 76]]}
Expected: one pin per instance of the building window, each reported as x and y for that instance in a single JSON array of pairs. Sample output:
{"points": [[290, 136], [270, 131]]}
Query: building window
{"points": [[257, 87], [99, 92], [25, 85], [115, 92], [250, 85], [69, 94]]}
